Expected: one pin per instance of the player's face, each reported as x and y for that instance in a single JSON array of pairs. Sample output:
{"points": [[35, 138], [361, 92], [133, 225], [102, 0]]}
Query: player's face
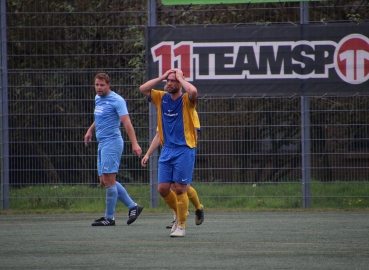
{"points": [[101, 87], [173, 86]]}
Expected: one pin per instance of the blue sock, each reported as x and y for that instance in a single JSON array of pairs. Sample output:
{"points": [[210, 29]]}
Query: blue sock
{"points": [[111, 201], [124, 197]]}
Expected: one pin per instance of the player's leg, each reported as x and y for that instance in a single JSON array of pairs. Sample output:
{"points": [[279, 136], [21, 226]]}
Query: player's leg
{"points": [[123, 196], [165, 175], [194, 199], [108, 165], [134, 209], [179, 227], [170, 225], [182, 176], [168, 196], [111, 194]]}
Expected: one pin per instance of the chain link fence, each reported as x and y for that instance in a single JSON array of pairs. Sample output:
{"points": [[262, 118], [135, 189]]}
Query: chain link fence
{"points": [[247, 147]]}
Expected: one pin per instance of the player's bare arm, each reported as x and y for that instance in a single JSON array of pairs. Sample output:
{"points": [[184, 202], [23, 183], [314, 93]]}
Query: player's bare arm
{"points": [[88, 135], [146, 87], [153, 146], [188, 87], [126, 120]]}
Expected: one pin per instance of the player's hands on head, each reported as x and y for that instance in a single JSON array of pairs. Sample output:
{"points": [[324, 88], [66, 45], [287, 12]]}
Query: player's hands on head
{"points": [[179, 73], [166, 74]]}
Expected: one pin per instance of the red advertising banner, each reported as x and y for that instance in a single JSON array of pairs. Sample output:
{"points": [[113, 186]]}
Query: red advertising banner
{"points": [[264, 60]]}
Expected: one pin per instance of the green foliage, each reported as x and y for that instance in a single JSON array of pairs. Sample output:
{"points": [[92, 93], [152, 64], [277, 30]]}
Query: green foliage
{"points": [[355, 17], [83, 198], [56, 47]]}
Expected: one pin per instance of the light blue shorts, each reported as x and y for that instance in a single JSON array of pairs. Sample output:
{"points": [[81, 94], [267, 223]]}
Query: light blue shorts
{"points": [[176, 164], [109, 154]]}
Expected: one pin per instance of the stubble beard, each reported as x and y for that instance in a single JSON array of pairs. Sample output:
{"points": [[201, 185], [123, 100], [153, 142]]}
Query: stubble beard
{"points": [[102, 93], [174, 91]]}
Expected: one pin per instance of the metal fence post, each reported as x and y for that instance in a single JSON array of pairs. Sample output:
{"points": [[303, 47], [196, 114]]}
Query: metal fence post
{"points": [[305, 151], [154, 198], [4, 111], [305, 130]]}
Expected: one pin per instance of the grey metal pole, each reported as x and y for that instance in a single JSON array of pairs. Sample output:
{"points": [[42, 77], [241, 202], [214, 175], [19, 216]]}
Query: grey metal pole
{"points": [[151, 6], [304, 12], [5, 204], [305, 128], [305, 151], [153, 161]]}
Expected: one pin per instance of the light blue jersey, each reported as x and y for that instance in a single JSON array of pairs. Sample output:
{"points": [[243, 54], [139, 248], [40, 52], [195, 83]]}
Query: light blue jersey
{"points": [[108, 109]]}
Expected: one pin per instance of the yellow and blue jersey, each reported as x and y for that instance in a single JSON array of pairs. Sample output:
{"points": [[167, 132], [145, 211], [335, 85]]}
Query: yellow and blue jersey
{"points": [[196, 120], [176, 124]]}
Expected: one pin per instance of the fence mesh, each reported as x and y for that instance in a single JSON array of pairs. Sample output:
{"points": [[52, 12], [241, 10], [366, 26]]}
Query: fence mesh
{"points": [[55, 48]]}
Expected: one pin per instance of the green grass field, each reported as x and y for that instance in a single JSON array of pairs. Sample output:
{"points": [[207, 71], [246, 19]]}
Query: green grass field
{"points": [[245, 227], [226, 240], [267, 196]]}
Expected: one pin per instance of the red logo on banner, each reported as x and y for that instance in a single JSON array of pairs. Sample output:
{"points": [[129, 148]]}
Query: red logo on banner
{"points": [[352, 59], [166, 53]]}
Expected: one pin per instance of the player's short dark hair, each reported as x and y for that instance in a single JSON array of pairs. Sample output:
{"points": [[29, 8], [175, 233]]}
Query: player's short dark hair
{"points": [[103, 77]]}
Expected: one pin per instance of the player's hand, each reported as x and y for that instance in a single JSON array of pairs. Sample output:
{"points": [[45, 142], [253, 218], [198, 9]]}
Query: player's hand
{"points": [[144, 160], [88, 138], [166, 74], [137, 150], [179, 74]]}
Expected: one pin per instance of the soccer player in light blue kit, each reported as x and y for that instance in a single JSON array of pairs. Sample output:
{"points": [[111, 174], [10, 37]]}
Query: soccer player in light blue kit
{"points": [[110, 111]]}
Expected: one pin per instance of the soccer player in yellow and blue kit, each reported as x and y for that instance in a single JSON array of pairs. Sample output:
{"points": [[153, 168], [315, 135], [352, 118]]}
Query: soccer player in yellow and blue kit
{"points": [[178, 136], [110, 111], [191, 192]]}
